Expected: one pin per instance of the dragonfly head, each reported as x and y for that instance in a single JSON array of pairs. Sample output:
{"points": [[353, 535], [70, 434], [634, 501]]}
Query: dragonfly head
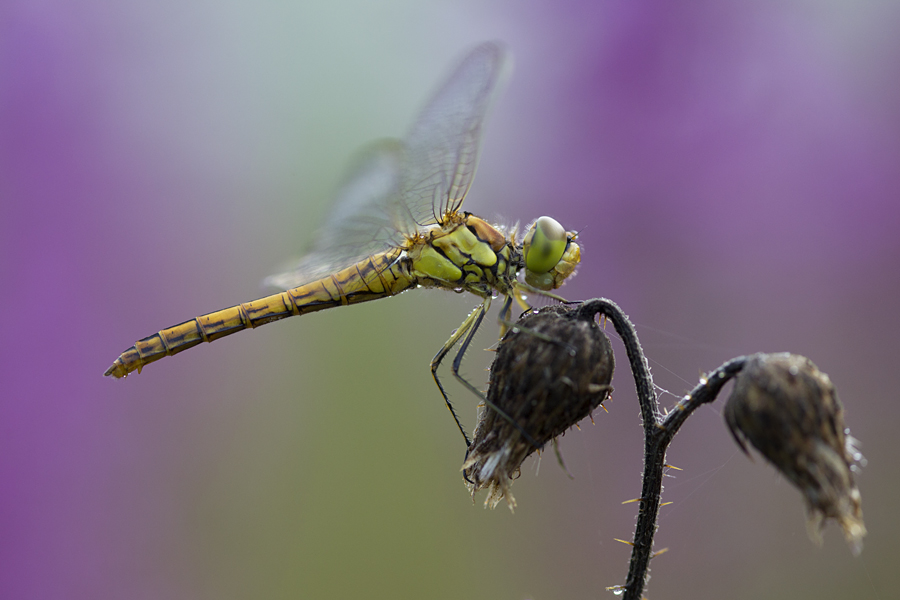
{"points": [[551, 254]]}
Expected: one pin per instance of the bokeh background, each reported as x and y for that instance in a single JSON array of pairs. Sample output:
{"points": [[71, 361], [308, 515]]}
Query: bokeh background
{"points": [[734, 170]]}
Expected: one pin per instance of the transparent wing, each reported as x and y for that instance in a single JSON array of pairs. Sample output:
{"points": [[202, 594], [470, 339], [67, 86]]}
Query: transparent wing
{"points": [[444, 142], [396, 187], [363, 221]]}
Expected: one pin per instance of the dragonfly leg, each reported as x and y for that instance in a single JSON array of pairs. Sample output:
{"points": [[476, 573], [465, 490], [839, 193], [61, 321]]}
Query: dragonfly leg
{"points": [[475, 316], [505, 316], [457, 362], [524, 287], [468, 329], [520, 299]]}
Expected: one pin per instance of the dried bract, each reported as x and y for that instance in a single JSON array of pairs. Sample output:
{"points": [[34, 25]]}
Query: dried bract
{"points": [[789, 411], [552, 369]]}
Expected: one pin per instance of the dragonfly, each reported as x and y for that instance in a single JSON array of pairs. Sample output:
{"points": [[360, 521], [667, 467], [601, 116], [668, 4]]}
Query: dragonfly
{"points": [[397, 224]]}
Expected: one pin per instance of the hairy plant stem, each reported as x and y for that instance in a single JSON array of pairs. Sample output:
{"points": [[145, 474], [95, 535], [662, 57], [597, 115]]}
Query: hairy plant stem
{"points": [[658, 433]]}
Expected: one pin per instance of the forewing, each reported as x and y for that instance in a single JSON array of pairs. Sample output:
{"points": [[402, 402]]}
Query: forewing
{"points": [[396, 186], [363, 221], [443, 144]]}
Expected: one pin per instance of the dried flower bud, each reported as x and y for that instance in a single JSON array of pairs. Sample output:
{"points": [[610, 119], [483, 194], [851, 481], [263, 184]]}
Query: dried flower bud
{"points": [[790, 412], [552, 369]]}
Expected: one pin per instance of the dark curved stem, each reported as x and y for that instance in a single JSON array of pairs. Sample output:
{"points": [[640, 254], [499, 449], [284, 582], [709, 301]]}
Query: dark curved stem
{"points": [[658, 433], [643, 381]]}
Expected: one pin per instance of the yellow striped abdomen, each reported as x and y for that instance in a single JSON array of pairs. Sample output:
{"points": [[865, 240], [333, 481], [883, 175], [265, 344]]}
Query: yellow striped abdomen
{"points": [[378, 276]]}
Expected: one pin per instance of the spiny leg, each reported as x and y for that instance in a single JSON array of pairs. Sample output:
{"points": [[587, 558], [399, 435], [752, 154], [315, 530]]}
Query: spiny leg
{"points": [[520, 297], [457, 362], [524, 287], [505, 316], [475, 315], [468, 328]]}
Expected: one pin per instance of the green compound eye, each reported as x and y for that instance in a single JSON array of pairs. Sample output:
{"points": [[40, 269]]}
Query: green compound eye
{"points": [[544, 245]]}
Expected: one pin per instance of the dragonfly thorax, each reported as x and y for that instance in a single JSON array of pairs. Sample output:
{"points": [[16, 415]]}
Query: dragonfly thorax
{"points": [[464, 253]]}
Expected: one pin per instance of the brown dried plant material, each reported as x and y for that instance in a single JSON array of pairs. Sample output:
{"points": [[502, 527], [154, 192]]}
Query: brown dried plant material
{"points": [[789, 411], [552, 369]]}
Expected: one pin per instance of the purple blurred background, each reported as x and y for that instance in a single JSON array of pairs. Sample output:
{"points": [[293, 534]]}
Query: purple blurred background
{"points": [[735, 173]]}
